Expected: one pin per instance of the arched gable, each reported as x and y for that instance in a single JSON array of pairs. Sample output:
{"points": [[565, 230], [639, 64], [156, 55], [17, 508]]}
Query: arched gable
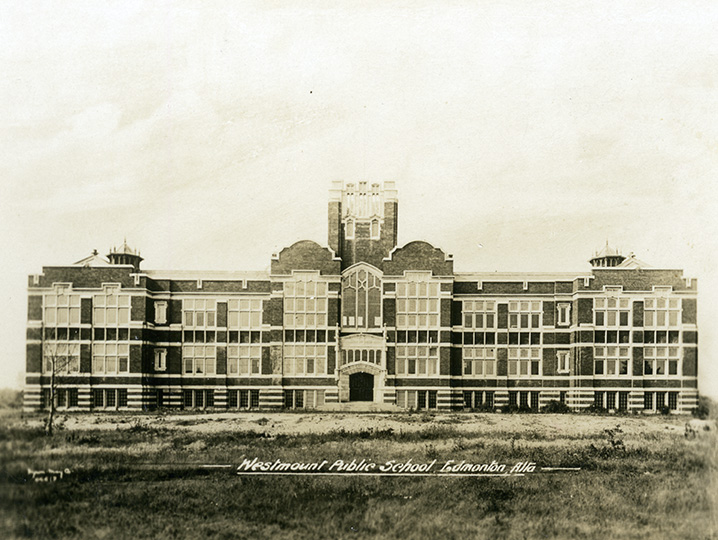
{"points": [[418, 255], [306, 255]]}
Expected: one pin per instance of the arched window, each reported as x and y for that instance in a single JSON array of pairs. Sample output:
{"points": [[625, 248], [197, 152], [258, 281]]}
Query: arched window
{"points": [[361, 299], [350, 228], [375, 229]]}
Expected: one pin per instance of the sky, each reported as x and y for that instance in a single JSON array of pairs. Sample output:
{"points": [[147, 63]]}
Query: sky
{"points": [[522, 136]]}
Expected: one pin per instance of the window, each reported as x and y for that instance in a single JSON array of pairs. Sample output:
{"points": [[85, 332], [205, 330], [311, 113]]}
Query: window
{"points": [[375, 229], [416, 399], [350, 229], [373, 356], [160, 312], [199, 313], [244, 359], [244, 313], [479, 361], [562, 361], [243, 399], [417, 360], [612, 311], [110, 358], [198, 399], [305, 359], [564, 314], [673, 400], [199, 359], [662, 312], [479, 314], [111, 308], [303, 399], [611, 361], [72, 397], [660, 361], [623, 401], [525, 314], [61, 357], [417, 303], [305, 302], [361, 299], [62, 308], [160, 359], [524, 361], [648, 401]]}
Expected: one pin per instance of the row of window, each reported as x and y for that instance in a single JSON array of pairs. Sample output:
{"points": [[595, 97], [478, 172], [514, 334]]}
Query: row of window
{"points": [[100, 398], [306, 303], [303, 399], [305, 359], [612, 400], [524, 399], [417, 360], [308, 336], [416, 399], [373, 356], [476, 399]]}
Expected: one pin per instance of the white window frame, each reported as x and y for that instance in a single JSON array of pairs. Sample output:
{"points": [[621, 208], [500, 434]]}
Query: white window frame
{"points": [[160, 359], [525, 315], [564, 314], [562, 361], [160, 311]]}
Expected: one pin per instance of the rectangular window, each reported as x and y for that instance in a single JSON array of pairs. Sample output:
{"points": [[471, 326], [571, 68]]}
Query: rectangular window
{"points": [[525, 314], [612, 361], [479, 361], [612, 311], [562, 360], [524, 361], [254, 395], [199, 312], [417, 360], [661, 361], [305, 302], [160, 359], [98, 396], [489, 402], [418, 302], [648, 400], [673, 400], [72, 397], [161, 312], [623, 401], [564, 314], [122, 397], [662, 312], [479, 314]]}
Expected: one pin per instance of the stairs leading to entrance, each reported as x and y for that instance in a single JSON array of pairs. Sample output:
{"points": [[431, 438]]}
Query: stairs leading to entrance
{"points": [[359, 406]]}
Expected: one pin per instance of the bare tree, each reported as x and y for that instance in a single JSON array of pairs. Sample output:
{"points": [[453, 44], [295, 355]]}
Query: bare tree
{"points": [[58, 358]]}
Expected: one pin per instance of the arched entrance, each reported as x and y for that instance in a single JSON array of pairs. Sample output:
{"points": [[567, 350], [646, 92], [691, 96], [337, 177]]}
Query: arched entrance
{"points": [[361, 386]]}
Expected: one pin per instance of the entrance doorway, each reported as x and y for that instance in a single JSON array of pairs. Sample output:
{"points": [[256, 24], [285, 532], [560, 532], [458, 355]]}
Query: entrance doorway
{"points": [[361, 387]]}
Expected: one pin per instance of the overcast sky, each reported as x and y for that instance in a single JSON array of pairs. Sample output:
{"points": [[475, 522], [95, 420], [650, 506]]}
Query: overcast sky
{"points": [[209, 136]]}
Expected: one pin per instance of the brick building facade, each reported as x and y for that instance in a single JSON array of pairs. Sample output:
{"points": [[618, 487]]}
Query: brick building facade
{"points": [[361, 320]]}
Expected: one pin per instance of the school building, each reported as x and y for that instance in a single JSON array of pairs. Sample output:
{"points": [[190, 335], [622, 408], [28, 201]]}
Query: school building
{"points": [[361, 319]]}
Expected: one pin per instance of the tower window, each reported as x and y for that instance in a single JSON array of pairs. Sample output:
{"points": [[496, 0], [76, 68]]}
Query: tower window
{"points": [[350, 228]]}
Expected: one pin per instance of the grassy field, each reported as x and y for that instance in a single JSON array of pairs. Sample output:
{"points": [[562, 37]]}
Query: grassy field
{"points": [[141, 476]]}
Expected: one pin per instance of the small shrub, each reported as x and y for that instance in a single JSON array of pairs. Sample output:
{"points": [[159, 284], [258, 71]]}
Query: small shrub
{"points": [[703, 410], [555, 407], [594, 409]]}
